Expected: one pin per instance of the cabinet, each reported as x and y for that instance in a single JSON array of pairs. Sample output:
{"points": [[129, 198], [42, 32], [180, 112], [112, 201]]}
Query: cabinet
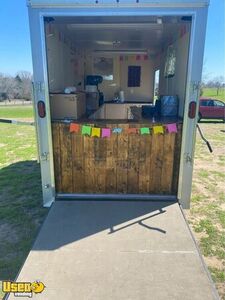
{"points": [[71, 106]]}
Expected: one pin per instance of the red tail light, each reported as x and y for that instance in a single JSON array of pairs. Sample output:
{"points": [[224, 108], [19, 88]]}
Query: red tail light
{"points": [[41, 109], [192, 109]]}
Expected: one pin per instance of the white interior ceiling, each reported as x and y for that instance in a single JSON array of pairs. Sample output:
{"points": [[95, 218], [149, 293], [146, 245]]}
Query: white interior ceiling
{"points": [[121, 33]]}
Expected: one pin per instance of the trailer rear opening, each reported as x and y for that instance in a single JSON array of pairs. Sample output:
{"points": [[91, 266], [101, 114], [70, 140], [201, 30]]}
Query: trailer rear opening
{"points": [[124, 53], [102, 135]]}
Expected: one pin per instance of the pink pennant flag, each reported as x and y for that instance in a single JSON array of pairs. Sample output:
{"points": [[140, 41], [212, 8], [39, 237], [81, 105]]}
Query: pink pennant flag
{"points": [[138, 57], [106, 132], [172, 128]]}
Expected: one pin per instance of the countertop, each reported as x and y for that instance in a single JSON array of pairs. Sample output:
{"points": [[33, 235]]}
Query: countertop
{"points": [[152, 120], [128, 102]]}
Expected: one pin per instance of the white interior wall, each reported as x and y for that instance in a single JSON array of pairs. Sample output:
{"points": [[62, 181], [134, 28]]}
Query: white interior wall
{"points": [[65, 65], [177, 84]]}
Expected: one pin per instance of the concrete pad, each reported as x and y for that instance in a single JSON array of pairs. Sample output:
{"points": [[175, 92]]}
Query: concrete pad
{"points": [[102, 250]]}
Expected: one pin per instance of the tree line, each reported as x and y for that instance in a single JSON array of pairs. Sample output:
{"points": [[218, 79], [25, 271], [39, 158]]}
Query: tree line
{"points": [[18, 87], [217, 82]]}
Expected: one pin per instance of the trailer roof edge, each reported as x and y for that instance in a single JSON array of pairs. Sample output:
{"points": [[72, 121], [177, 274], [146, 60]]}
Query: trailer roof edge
{"points": [[154, 4]]}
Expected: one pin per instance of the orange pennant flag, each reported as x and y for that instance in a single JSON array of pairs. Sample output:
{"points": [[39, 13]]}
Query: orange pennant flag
{"points": [[132, 130], [74, 127]]}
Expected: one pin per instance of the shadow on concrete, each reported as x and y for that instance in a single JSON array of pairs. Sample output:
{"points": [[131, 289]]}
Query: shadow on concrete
{"points": [[68, 222], [71, 221]]}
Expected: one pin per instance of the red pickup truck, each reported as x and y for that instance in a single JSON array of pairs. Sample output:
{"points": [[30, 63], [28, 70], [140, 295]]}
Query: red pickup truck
{"points": [[211, 109]]}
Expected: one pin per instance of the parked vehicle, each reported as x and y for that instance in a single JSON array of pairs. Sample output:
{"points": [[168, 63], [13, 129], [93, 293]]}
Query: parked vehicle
{"points": [[211, 109]]}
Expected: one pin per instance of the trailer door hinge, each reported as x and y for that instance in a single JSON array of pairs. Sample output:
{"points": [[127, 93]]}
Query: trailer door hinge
{"points": [[188, 158], [44, 156], [38, 86], [195, 85]]}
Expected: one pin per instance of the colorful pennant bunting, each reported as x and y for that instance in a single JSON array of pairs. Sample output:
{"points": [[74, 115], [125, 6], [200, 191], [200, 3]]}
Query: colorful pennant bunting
{"points": [[86, 130], [96, 132], [117, 130], [106, 132], [158, 129], [171, 128], [145, 130], [74, 127]]}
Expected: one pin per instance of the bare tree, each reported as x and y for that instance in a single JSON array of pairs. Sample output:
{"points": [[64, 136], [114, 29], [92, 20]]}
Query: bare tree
{"points": [[218, 83], [18, 87], [8, 86], [24, 79]]}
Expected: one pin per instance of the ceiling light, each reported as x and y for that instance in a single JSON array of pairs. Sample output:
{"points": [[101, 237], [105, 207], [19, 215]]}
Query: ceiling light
{"points": [[124, 51], [159, 21], [116, 43], [104, 43], [111, 26]]}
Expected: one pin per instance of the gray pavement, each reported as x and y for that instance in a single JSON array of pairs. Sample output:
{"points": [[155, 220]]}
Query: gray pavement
{"points": [[101, 250]]}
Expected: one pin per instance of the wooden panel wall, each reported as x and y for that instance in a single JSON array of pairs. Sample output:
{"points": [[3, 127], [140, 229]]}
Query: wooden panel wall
{"points": [[123, 163]]}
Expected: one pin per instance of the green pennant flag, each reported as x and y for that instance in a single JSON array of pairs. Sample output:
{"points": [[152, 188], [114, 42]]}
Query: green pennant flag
{"points": [[145, 130], [86, 130]]}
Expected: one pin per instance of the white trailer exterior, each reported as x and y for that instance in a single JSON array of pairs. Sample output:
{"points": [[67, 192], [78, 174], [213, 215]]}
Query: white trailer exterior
{"points": [[39, 9]]}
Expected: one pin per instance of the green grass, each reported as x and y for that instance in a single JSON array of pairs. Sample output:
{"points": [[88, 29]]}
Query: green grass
{"points": [[203, 174], [21, 211], [212, 92], [207, 214], [217, 275], [16, 111]]}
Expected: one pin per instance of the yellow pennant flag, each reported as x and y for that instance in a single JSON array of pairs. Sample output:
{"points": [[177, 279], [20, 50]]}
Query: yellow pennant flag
{"points": [[96, 132], [158, 129]]}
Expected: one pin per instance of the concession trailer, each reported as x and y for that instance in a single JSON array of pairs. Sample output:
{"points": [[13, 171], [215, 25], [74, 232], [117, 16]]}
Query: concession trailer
{"points": [[116, 90]]}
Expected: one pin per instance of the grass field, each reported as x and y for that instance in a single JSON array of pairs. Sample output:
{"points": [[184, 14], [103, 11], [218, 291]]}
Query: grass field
{"points": [[16, 112], [21, 212], [211, 92], [207, 213]]}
